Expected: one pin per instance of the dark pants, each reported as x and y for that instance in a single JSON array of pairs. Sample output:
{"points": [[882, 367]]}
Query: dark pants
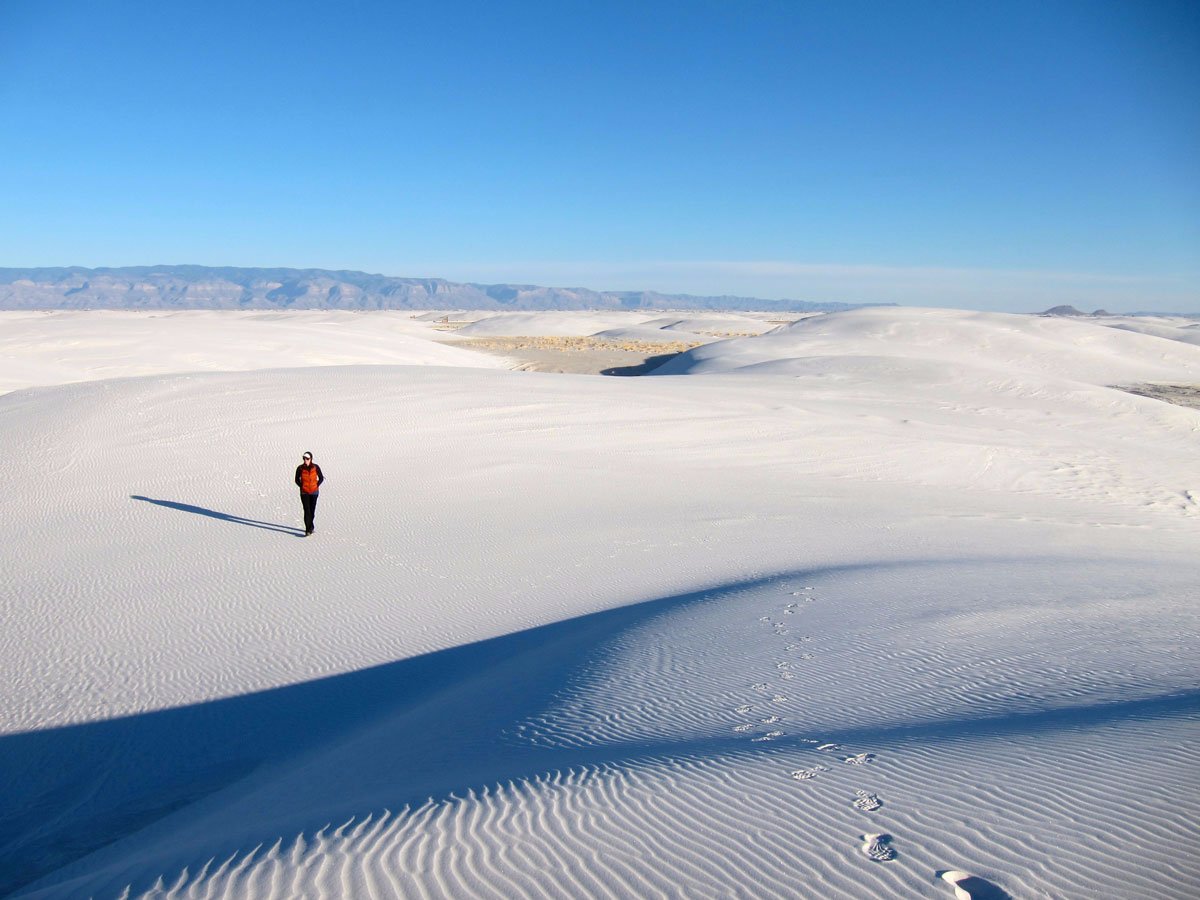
{"points": [[310, 510]]}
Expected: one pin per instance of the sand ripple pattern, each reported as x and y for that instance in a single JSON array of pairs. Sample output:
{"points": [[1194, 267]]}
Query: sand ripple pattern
{"points": [[582, 832], [684, 705], [1117, 775]]}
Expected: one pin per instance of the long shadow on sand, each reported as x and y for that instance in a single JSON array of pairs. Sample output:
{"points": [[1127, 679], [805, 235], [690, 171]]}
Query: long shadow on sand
{"points": [[645, 367], [213, 514], [68, 792]]}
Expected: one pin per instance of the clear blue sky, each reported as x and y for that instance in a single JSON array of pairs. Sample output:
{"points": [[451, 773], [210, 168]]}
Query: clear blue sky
{"points": [[1002, 155]]}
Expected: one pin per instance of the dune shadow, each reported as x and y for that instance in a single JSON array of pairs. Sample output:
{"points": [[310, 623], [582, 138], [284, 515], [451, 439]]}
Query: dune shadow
{"points": [[224, 517], [69, 791], [645, 367]]}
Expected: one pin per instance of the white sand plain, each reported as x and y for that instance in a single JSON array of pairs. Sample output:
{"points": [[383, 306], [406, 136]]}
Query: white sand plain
{"points": [[883, 603]]}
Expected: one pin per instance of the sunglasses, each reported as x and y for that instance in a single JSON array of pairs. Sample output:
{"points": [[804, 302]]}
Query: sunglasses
{"points": [[308, 457]]}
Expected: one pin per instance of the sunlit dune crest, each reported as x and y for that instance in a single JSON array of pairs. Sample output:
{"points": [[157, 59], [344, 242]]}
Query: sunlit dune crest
{"points": [[878, 603]]}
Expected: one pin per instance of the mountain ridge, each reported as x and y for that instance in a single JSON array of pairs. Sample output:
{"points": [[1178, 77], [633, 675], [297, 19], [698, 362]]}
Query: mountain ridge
{"points": [[232, 287]]}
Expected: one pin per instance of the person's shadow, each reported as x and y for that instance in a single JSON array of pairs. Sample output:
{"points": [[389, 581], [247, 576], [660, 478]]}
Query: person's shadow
{"points": [[224, 517]]}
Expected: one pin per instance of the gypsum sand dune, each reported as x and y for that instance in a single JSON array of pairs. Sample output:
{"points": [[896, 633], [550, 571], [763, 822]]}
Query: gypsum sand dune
{"points": [[579, 355], [47, 348], [537, 731], [1074, 737], [686, 780]]}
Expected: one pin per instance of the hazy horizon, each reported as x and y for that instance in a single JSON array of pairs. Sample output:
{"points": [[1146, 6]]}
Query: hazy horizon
{"points": [[1049, 300]]}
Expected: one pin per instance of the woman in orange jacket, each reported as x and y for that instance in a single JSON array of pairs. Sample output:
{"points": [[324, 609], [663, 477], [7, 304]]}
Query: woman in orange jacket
{"points": [[308, 479]]}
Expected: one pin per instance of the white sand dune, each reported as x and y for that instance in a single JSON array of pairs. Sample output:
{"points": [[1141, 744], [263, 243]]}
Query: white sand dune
{"points": [[642, 327], [1016, 346], [912, 574], [453, 315], [46, 348], [563, 324], [1173, 328], [717, 324], [653, 335]]}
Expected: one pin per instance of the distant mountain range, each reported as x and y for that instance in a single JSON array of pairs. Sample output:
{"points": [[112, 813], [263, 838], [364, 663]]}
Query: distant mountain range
{"points": [[1072, 311], [208, 287]]}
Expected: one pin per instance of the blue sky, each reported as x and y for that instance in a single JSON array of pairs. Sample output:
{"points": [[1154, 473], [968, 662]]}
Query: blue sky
{"points": [[1006, 155]]}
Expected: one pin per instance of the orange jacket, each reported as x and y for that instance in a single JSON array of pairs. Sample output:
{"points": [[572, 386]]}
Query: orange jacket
{"points": [[309, 478]]}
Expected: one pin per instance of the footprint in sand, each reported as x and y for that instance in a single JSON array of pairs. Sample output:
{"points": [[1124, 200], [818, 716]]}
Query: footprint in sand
{"points": [[859, 759], [878, 847], [761, 686], [783, 665], [866, 801], [765, 619], [771, 720], [787, 676], [972, 887], [829, 748], [805, 774], [742, 729], [743, 709], [769, 736], [779, 698]]}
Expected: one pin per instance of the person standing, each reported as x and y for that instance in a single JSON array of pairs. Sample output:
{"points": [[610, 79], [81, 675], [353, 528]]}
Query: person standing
{"points": [[308, 479]]}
